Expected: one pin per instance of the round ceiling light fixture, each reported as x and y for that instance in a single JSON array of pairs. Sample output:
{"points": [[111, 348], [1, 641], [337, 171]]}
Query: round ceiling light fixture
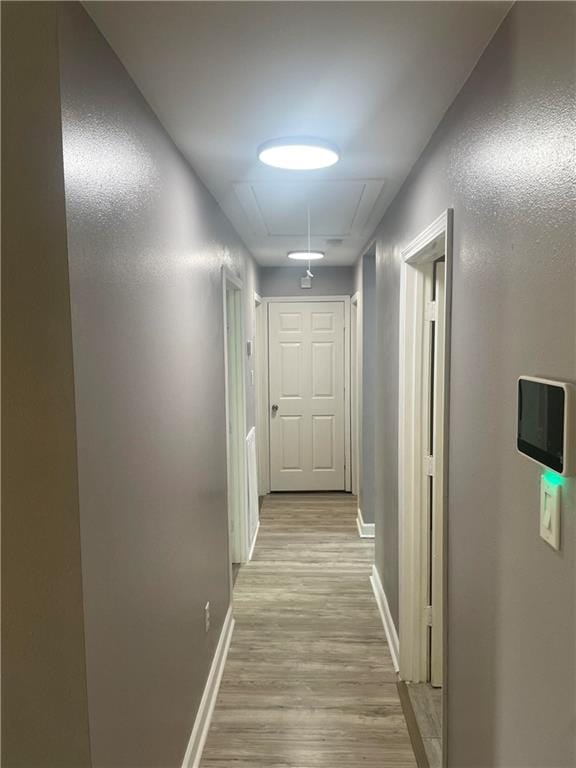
{"points": [[306, 255], [299, 153]]}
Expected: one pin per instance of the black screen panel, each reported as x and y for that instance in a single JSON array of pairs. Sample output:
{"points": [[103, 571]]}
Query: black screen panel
{"points": [[541, 422]]}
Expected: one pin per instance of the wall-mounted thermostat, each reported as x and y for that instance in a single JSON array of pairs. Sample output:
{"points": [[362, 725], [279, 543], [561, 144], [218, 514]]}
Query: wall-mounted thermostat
{"points": [[546, 423]]}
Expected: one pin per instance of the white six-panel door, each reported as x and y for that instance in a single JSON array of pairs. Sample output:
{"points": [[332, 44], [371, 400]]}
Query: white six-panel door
{"points": [[307, 381]]}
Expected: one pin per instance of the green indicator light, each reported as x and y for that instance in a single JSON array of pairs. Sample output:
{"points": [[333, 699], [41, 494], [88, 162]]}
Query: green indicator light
{"points": [[552, 478]]}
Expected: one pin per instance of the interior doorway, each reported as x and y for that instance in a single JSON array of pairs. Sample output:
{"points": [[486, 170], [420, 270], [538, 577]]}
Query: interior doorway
{"points": [[423, 452], [238, 533]]}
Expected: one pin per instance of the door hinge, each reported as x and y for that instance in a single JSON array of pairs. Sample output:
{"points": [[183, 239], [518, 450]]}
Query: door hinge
{"points": [[431, 311], [430, 466], [428, 615]]}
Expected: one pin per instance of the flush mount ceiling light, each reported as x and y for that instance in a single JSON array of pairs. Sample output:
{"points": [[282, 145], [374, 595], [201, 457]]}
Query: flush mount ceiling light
{"points": [[298, 154], [306, 255]]}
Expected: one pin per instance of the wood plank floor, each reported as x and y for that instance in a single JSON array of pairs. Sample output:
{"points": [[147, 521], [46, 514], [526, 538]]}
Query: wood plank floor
{"points": [[427, 707], [309, 681]]}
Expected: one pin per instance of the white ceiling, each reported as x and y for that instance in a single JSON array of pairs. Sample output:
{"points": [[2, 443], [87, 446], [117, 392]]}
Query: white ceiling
{"points": [[373, 77]]}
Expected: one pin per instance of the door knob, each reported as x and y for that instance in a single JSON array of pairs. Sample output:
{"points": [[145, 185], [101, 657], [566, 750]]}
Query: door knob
{"points": [[274, 408]]}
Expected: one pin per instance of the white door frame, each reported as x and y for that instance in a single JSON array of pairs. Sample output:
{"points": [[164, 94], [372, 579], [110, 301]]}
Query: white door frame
{"points": [[356, 390], [431, 244], [264, 407], [236, 463], [261, 395]]}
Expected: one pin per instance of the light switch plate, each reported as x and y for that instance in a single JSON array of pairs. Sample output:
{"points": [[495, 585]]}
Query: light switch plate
{"points": [[550, 512]]}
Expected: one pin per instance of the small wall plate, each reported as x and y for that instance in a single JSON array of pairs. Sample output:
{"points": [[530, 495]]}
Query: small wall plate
{"points": [[550, 493]]}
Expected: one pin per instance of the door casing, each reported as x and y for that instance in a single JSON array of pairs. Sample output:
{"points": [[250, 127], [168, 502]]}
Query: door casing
{"points": [[234, 377], [356, 390], [413, 534], [261, 393]]}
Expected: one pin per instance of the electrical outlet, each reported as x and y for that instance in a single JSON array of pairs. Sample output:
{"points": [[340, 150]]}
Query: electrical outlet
{"points": [[207, 616]]}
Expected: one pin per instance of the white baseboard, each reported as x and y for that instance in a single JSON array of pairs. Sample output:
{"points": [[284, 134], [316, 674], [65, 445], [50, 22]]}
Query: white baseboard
{"points": [[206, 708], [365, 530], [386, 616], [253, 545]]}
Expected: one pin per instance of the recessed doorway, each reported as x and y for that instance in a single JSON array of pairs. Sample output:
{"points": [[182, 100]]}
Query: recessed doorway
{"points": [[425, 282]]}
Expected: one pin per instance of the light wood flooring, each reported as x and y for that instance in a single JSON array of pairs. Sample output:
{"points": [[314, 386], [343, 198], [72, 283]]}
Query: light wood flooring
{"points": [[309, 681], [427, 706]]}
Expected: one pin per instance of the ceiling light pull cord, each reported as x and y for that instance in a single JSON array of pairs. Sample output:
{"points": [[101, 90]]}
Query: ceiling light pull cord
{"points": [[309, 271]]}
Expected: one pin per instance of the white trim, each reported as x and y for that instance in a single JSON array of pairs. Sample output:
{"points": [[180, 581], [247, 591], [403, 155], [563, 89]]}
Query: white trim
{"points": [[253, 545], [261, 396], [386, 616], [356, 366], [433, 242], [252, 502], [232, 278], [347, 431], [417, 250], [365, 530], [438, 509], [203, 719], [347, 403], [298, 299], [236, 462]]}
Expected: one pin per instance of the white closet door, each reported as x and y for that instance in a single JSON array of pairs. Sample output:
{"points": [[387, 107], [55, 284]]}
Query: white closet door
{"points": [[307, 430]]}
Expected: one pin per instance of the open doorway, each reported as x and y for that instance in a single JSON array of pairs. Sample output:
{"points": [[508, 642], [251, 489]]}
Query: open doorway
{"points": [[235, 421], [423, 462]]}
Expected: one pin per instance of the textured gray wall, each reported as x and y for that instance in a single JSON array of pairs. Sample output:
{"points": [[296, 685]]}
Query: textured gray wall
{"points": [[44, 704], [365, 284], [146, 247], [369, 385], [285, 281], [504, 159]]}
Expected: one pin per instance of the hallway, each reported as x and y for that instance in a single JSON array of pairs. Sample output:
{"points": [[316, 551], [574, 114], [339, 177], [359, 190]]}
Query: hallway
{"points": [[309, 680], [319, 254]]}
